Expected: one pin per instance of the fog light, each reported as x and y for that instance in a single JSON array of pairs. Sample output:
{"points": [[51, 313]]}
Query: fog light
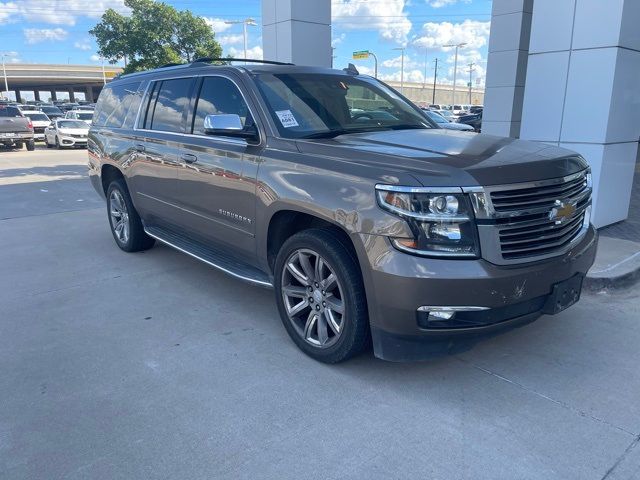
{"points": [[440, 315]]}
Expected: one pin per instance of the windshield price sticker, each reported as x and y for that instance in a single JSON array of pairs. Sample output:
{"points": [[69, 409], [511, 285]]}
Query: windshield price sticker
{"points": [[287, 119]]}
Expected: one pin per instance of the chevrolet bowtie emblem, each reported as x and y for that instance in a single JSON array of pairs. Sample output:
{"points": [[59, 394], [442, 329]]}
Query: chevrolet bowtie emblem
{"points": [[562, 211]]}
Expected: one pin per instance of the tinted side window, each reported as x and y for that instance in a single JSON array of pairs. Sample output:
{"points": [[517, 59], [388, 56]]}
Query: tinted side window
{"points": [[219, 95], [170, 105], [117, 103]]}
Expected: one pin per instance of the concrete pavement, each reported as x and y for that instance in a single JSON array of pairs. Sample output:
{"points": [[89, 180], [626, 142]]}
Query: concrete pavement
{"points": [[154, 366]]}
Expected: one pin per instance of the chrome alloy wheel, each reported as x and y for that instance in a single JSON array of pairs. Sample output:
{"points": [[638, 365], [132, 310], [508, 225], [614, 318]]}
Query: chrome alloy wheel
{"points": [[119, 216], [313, 298]]}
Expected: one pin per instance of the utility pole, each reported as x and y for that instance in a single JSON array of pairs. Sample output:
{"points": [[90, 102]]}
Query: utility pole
{"points": [[401, 69], [455, 68], [245, 22], [435, 77], [471, 70], [104, 76]]}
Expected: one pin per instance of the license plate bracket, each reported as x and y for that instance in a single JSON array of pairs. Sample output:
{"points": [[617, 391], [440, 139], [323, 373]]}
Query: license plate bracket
{"points": [[563, 295]]}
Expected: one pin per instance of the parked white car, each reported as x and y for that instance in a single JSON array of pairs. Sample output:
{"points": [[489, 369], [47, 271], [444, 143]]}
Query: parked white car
{"points": [[66, 133], [84, 115], [446, 124], [40, 122]]}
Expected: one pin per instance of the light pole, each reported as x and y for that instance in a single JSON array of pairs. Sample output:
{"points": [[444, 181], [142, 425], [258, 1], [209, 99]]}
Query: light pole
{"points": [[455, 68], [375, 64], [4, 72], [245, 22], [435, 77], [424, 79], [104, 76], [401, 69]]}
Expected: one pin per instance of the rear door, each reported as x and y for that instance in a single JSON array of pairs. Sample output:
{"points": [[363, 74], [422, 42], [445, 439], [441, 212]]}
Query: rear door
{"points": [[158, 141], [217, 181]]}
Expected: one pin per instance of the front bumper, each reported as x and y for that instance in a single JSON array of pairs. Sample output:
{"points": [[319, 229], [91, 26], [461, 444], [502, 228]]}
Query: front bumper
{"points": [[67, 141], [399, 284]]}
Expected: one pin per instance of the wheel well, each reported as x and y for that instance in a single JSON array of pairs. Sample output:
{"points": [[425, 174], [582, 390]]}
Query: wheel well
{"points": [[109, 174], [286, 223]]}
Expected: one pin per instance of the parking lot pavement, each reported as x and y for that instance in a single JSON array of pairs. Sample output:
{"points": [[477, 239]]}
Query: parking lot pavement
{"points": [[154, 366]]}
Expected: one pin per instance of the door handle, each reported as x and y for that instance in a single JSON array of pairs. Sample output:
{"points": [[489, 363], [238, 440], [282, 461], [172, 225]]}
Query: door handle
{"points": [[189, 158], [139, 147]]}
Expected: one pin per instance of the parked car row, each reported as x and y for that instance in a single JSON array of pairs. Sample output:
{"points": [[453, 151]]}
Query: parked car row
{"points": [[468, 115], [26, 124]]}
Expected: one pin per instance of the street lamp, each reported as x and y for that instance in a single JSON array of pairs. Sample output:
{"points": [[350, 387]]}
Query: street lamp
{"points": [[245, 22], [4, 72], [401, 69], [455, 68], [104, 76]]}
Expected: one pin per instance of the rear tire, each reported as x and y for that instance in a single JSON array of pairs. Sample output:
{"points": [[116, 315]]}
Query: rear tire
{"points": [[126, 226], [321, 297], [31, 145]]}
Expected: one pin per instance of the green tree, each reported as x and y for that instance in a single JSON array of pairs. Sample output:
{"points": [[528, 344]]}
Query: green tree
{"points": [[154, 34]]}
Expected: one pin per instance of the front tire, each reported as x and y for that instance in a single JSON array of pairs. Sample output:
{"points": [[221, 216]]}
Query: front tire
{"points": [[126, 226], [321, 296], [58, 146]]}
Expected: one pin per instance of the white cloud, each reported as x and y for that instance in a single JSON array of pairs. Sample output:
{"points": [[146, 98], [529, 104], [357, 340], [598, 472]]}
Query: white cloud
{"points": [[472, 32], [37, 35], [8, 11], [84, 44], [413, 76], [56, 12], [388, 17], [218, 25], [338, 40], [230, 39], [95, 58], [396, 62], [444, 3], [255, 52]]}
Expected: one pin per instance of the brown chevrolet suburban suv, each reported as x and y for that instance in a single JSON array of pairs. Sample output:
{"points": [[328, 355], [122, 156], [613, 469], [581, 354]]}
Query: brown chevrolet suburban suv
{"points": [[373, 225]]}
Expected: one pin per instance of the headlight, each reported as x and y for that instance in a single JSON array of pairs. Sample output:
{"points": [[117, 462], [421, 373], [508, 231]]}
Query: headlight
{"points": [[440, 220]]}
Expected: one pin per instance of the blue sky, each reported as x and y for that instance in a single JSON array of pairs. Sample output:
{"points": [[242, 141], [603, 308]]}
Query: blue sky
{"points": [[56, 31]]}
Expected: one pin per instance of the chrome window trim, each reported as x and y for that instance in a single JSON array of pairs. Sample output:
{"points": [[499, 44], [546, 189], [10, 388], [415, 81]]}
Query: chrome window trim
{"points": [[233, 141]]}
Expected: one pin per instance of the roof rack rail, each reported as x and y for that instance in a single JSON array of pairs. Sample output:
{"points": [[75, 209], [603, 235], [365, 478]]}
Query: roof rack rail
{"points": [[246, 60], [170, 65]]}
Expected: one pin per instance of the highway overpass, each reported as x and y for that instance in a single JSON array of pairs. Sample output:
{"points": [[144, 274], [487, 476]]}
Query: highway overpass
{"points": [[56, 82]]}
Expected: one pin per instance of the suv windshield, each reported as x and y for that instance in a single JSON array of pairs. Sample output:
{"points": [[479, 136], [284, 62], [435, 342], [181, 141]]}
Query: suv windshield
{"points": [[328, 105]]}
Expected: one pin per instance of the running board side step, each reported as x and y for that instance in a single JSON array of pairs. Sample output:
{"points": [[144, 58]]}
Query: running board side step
{"points": [[211, 257]]}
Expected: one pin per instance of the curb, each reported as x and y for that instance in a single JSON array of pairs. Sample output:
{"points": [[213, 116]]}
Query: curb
{"points": [[616, 267], [597, 284]]}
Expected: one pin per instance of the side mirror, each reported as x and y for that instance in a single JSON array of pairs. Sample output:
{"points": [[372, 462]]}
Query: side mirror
{"points": [[228, 125]]}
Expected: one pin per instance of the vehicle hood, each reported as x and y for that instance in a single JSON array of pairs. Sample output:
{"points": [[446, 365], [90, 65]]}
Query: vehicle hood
{"points": [[439, 157], [456, 126], [73, 131]]}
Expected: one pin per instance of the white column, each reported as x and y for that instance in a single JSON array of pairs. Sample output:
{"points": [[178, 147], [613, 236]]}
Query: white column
{"points": [[297, 31], [583, 91], [507, 66]]}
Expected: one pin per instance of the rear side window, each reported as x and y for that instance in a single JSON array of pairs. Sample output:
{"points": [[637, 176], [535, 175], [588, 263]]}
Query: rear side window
{"points": [[117, 105], [9, 111], [219, 95], [168, 105]]}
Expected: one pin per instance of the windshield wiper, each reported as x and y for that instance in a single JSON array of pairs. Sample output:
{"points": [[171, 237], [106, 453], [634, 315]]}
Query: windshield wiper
{"points": [[341, 131], [408, 126]]}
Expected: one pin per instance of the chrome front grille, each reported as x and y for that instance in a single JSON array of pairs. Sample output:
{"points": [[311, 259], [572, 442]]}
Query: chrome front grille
{"points": [[542, 196], [532, 221]]}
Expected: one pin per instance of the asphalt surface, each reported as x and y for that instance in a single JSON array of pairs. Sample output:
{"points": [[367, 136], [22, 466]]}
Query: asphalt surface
{"points": [[154, 366]]}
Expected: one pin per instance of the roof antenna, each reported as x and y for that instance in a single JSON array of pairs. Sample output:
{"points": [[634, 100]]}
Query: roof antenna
{"points": [[351, 69]]}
